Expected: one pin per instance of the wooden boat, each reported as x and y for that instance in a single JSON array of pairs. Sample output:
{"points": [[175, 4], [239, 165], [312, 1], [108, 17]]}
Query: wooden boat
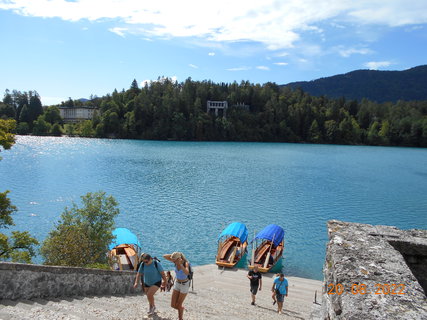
{"points": [[269, 248], [124, 250], [232, 244]]}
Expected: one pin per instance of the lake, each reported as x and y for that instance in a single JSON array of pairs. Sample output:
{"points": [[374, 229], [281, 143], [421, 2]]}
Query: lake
{"points": [[178, 196]]}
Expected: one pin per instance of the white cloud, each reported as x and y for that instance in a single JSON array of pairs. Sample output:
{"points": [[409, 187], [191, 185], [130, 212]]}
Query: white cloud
{"points": [[375, 65], [193, 66], [350, 51], [239, 69], [119, 31], [265, 68], [211, 54], [275, 24], [281, 64], [145, 82], [337, 25], [391, 13]]}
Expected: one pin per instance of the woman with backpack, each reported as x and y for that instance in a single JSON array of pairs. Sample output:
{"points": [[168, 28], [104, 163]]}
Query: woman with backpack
{"points": [[182, 281], [151, 274]]}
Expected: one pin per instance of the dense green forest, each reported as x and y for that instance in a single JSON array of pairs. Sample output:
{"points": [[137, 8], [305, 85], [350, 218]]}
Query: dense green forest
{"points": [[168, 110], [374, 85]]}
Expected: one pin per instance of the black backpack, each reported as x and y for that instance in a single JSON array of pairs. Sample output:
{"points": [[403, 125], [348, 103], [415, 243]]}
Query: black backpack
{"points": [[190, 276]]}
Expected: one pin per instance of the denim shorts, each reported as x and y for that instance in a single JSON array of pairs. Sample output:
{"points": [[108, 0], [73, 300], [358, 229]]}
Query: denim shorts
{"points": [[280, 297], [182, 287]]}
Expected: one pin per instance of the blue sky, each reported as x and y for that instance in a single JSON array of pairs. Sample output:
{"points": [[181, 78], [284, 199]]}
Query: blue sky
{"points": [[77, 48]]}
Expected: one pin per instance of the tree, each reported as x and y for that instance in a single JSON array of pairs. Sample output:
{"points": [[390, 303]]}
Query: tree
{"points": [[314, 134], [384, 132], [86, 129], [19, 247], [24, 115], [69, 103], [7, 111], [134, 85], [56, 130], [69, 129], [19, 100], [52, 115], [41, 127], [86, 230], [7, 138], [6, 209], [373, 137], [23, 128], [7, 99], [349, 130], [331, 129], [67, 247], [35, 107]]}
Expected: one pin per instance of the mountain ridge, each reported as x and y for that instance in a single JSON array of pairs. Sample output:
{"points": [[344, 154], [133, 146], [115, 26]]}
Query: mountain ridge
{"points": [[375, 85]]}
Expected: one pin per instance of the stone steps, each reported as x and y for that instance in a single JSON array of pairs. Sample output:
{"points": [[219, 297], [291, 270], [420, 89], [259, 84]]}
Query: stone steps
{"points": [[200, 305], [217, 295]]}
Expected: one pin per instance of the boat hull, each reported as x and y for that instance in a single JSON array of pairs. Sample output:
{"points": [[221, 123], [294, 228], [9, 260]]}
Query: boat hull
{"points": [[266, 256], [230, 252], [123, 257]]}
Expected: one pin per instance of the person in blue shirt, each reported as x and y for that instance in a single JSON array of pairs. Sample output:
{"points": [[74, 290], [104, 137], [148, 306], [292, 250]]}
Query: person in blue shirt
{"points": [[182, 281], [280, 287], [152, 277]]}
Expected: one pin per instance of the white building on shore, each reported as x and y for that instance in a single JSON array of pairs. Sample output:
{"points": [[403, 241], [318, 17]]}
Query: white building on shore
{"points": [[219, 108], [77, 114]]}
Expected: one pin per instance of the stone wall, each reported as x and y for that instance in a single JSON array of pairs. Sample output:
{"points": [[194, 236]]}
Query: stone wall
{"points": [[27, 281], [371, 272]]}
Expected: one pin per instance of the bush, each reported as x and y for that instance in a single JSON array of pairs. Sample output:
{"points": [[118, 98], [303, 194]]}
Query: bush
{"points": [[56, 130], [23, 128], [82, 235]]}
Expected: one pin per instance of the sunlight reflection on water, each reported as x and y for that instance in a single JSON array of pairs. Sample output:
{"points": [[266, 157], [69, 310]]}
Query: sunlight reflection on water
{"points": [[179, 195]]}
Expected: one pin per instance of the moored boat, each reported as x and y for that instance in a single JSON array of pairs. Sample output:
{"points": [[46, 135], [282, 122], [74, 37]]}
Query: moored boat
{"points": [[232, 244], [124, 250], [269, 246]]}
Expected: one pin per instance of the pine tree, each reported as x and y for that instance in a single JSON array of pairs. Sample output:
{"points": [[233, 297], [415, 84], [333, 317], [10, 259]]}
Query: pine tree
{"points": [[35, 107]]}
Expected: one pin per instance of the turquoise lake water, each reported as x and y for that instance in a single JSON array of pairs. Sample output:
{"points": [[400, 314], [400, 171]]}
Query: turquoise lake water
{"points": [[178, 196]]}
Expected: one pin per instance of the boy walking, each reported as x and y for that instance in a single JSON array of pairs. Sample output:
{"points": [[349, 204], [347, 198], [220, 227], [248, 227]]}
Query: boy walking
{"points": [[255, 278]]}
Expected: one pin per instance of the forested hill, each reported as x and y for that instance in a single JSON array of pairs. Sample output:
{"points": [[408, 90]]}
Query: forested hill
{"points": [[169, 110], [379, 86]]}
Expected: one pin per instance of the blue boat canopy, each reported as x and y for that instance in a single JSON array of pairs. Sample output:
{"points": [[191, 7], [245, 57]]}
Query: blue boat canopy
{"points": [[123, 236], [236, 229], [270, 232]]}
